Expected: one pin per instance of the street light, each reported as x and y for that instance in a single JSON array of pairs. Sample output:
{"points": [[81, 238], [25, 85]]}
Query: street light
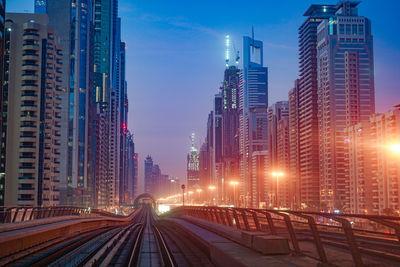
{"points": [[234, 183], [199, 191], [277, 174], [211, 188], [395, 148], [188, 197]]}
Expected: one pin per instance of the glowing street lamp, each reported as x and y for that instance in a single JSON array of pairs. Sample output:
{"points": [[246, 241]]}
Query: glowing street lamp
{"points": [[199, 191], [277, 175], [211, 188], [234, 184], [188, 196], [395, 148]]}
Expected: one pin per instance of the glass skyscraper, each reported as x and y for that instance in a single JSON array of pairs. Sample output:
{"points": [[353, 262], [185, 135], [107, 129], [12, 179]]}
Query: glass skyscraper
{"points": [[253, 120], [72, 20]]}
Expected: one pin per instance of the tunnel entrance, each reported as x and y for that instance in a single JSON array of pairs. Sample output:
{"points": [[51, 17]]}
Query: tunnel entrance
{"points": [[145, 198]]}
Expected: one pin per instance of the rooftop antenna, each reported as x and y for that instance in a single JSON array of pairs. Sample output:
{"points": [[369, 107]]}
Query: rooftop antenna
{"points": [[227, 43]]}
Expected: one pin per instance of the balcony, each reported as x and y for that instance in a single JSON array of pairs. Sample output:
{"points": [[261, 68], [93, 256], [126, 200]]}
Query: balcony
{"points": [[29, 97], [30, 149], [27, 160], [30, 77], [26, 167], [24, 189], [26, 178], [27, 138], [28, 127], [30, 46], [28, 117], [30, 56]]}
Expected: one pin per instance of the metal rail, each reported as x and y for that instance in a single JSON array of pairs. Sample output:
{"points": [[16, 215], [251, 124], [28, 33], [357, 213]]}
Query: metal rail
{"points": [[353, 227], [29, 213]]}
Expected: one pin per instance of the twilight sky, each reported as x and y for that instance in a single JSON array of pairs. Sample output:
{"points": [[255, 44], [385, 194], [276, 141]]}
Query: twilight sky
{"points": [[175, 62]]}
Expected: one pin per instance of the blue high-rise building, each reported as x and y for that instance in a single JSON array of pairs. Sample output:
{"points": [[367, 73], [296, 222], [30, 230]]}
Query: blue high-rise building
{"points": [[72, 22], [253, 119]]}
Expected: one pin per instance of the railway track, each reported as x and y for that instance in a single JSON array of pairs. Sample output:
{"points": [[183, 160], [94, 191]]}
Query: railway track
{"points": [[140, 243]]}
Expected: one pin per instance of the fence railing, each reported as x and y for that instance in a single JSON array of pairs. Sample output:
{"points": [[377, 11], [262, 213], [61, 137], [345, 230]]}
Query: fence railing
{"points": [[29, 213], [298, 224]]}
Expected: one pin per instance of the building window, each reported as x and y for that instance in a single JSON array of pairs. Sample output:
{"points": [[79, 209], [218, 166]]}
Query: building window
{"points": [[361, 29], [341, 28], [348, 29], [354, 29]]}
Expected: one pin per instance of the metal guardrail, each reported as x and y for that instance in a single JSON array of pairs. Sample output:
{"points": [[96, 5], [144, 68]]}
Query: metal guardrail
{"points": [[295, 223], [29, 213]]}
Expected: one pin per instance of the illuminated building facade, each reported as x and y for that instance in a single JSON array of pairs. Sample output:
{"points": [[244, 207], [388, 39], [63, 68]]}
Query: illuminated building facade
{"points": [[346, 95], [307, 105], [279, 152], [230, 129], [253, 120], [33, 86], [192, 171]]}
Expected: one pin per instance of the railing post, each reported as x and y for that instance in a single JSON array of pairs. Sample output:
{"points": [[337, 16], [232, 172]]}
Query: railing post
{"points": [[355, 252], [236, 219], [290, 229], [221, 216], [216, 213], [15, 215], [256, 221], [32, 213], [23, 215], [246, 222], [228, 217], [270, 223], [317, 238]]}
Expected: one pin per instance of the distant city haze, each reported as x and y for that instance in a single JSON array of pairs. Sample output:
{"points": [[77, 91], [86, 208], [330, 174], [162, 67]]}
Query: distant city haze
{"points": [[175, 63]]}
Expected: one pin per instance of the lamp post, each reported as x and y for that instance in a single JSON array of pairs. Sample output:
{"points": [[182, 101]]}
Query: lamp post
{"points": [[183, 194], [199, 191], [234, 184], [188, 196], [211, 188], [277, 174]]}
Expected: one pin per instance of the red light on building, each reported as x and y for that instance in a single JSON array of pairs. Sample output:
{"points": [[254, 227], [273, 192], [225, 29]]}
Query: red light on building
{"points": [[124, 127]]}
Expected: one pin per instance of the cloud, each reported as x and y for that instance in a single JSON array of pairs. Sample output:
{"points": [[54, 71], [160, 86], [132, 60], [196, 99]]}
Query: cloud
{"points": [[180, 22]]}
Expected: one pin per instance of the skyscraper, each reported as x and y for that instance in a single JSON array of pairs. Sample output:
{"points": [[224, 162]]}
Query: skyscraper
{"points": [[192, 167], [346, 95], [307, 105], [385, 130], [3, 118], [294, 153], [230, 128], [218, 146], [131, 183], [148, 174], [72, 22], [33, 87], [278, 148], [253, 121]]}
